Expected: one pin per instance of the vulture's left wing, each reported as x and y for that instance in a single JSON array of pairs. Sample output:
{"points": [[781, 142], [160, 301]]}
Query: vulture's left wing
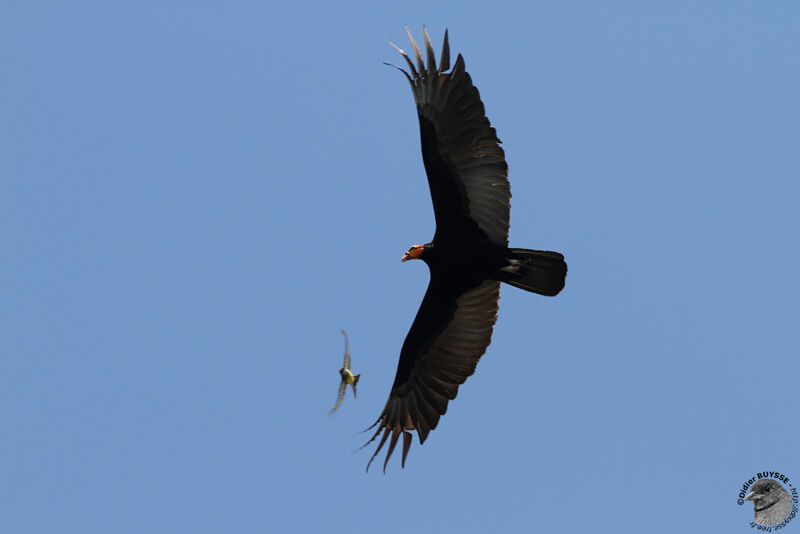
{"points": [[452, 329]]}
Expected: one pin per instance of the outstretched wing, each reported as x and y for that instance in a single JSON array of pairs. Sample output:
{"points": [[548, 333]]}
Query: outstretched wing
{"points": [[342, 390], [452, 329], [467, 170], [346, 351]]}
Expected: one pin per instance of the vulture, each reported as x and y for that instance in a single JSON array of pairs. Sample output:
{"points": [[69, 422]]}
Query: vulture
{"points": [[468, 257]]}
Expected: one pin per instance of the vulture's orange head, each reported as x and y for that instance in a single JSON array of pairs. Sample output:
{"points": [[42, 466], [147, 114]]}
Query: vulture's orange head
{"points": [[414, 253]]}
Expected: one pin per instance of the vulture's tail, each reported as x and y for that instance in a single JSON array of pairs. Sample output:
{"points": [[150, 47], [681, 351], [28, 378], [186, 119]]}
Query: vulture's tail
{"points": [[539, 271]]}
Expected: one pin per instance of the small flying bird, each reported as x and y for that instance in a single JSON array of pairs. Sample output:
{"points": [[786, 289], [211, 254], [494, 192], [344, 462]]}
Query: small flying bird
{"points": [[771, 502], [347, 375], [469, 255]]}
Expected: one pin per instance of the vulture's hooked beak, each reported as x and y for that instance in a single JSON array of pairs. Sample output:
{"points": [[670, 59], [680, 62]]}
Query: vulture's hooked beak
{"points": [[414, 253]]}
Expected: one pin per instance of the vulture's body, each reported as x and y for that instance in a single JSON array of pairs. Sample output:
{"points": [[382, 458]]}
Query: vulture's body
{"points": [[469, 256]]}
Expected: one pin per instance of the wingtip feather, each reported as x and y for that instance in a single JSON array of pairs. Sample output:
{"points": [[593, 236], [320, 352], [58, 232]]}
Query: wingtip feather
{"points": [[392, 445], [380, 445], [445, 59], [408, 60], [407, 437], [429, 52], [420, 65]]}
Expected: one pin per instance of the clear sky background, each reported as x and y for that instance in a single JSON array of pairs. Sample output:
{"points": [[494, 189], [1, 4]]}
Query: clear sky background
{"points": [[196, 197]]}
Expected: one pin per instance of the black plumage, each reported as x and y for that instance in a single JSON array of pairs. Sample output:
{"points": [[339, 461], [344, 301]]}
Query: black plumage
{"points": [[468, 257]]}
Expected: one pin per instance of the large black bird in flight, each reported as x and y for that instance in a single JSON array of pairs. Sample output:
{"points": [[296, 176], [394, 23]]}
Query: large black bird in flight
{"points": [[468, 257]]}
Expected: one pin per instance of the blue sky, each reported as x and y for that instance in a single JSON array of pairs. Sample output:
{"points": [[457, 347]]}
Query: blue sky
{"points": [[195, 198]]}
